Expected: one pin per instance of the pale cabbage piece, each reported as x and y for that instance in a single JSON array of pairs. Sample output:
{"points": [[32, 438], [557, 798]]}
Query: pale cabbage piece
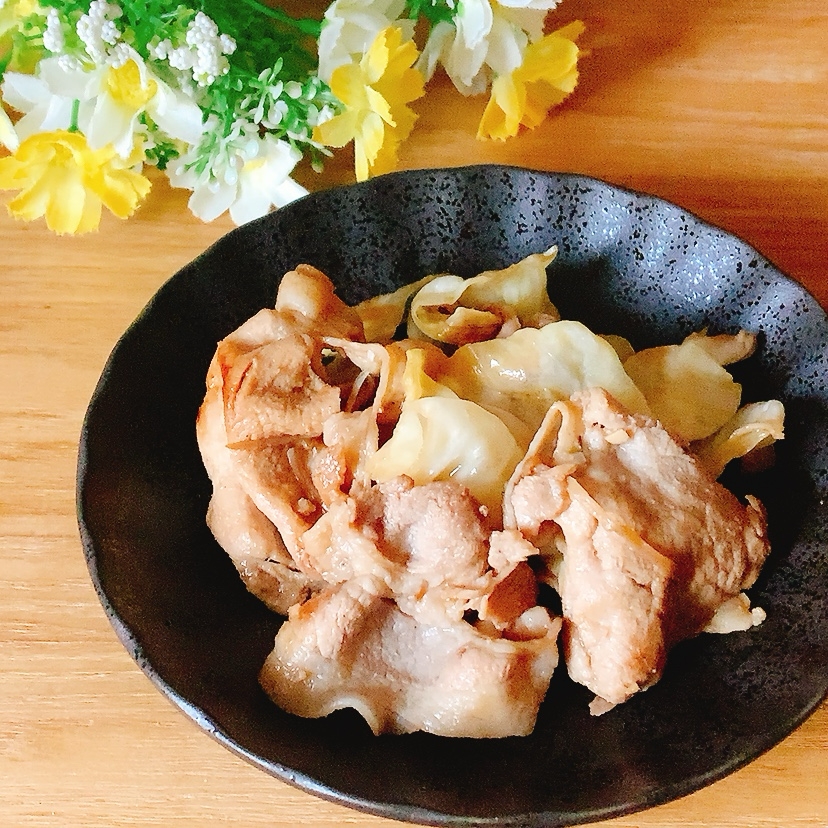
{"points": [[422, 364], [533, 368], [456, 311], [688, 391], [391, 394], [447, 438], [725, 348], [416, 381], [445, 320], [754, 426], [382, 315], [623, 347]]}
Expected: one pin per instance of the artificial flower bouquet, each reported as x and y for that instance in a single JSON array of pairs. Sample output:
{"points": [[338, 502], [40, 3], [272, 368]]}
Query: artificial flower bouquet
{"points": [[228, 96]]}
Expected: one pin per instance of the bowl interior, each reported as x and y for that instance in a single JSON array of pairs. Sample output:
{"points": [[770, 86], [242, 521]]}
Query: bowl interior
{"points": [[628, 264]]}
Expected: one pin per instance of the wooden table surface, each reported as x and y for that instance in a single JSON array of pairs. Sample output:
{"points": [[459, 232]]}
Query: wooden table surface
{"points": [[720, 106]]}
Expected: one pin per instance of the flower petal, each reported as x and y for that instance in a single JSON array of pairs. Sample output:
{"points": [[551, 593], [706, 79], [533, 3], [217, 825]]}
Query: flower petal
{"points": [[8, 135], [60, 177]]}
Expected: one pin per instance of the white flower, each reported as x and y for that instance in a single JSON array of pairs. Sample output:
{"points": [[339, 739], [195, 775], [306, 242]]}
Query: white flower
{"points": [[247, 176], [53, 39], [104, 102], [97, 29], [204, 52], [485, 38], [127, 90], [51, 99], [8, 134], [349, 27]]}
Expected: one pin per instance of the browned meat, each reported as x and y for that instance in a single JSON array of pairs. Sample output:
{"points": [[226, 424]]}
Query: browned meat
{"points": [[252, 541], [350, 647], [307, 295], [652, 546], [427, 544], [412, 603], [275, 390], [257, 550]]}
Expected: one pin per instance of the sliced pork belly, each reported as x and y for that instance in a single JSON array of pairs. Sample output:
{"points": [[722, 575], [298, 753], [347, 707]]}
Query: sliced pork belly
{"points": [[257, 550], [652, 546], [428, 544], [308, 295], [252, 541], [613, 587], [350, 647], [276, 390]]}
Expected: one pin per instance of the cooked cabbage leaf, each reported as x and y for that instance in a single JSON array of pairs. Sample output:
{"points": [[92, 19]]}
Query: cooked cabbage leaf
{"points": [[446, 438], [687, 389], [754, 426], [382, 315], [456, 311], [534, 367]]}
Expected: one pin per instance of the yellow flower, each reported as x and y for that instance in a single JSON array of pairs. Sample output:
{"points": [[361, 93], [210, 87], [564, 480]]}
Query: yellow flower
{"points": [[61, 178], [13, 11], [19, 54], [376, 93], [126, 87], [548, 74]]}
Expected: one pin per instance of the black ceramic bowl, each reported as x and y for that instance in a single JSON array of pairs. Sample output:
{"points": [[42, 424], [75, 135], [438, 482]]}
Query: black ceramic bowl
{"points": [[628, 264]]}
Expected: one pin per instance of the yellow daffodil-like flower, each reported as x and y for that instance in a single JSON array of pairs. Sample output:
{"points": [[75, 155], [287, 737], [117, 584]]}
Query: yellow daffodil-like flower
{"points": [[19, 54], [376, 93], [13, 11], [61, 178], [548, 74]]}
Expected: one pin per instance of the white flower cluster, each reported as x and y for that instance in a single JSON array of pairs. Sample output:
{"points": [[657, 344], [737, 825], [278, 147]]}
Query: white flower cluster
{"points": [[98, 31], [203, 52], [233, 145], [53, 39], [243, 173]]}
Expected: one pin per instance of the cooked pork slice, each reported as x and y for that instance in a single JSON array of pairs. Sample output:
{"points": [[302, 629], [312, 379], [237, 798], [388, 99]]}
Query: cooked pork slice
{"points": [[252, 541], [350, 647], [350, 439], [275, 476], [632, 477], [428, 544], [613, 588], [635, 469], [436, 529], [276, 390], [257, 550], [340, 546], [513, 592], [309, 294], [438, 534]]}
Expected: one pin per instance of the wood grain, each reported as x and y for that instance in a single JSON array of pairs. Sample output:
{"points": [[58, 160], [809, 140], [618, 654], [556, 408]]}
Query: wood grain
{"points": [[720, 106]]}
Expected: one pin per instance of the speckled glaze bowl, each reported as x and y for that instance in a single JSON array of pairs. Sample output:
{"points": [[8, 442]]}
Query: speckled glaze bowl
{"points": [[628, 264]]}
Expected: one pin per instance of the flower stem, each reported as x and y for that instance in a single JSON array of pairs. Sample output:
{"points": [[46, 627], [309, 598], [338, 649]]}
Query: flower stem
{"points": [[73, 122], [304, 25]]}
